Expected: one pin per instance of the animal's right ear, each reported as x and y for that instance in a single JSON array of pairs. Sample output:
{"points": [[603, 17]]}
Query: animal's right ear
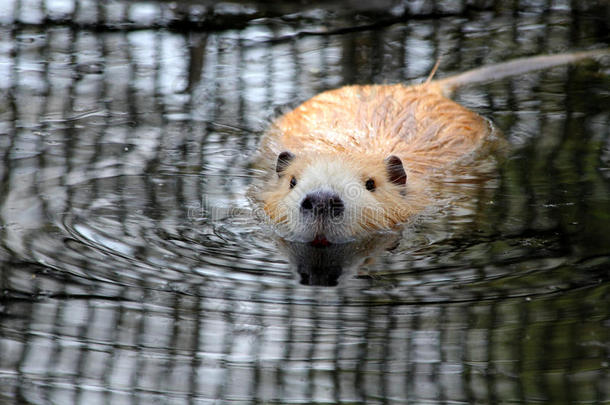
{"points": [[396, 172], [283, 160]]}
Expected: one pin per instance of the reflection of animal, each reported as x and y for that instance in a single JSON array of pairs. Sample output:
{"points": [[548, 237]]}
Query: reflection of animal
{"points": [[328, 265], [356, 159]]}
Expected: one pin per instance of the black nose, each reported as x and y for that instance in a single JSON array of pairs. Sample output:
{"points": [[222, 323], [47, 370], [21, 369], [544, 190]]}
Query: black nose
{"points": [[322, 203]]}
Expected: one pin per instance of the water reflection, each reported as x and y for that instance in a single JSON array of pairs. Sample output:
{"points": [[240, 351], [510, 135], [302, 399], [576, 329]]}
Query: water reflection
{"points": [[132, 269], [326, 265]]}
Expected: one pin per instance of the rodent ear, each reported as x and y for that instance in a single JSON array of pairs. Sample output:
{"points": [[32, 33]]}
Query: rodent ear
{"points": [[396, 172], [283, 160]]}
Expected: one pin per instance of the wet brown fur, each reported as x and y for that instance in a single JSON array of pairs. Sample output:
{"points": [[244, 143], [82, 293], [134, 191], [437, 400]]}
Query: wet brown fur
{"points": [[359, 126], [416, 123], [395, 203], [363, 125]]}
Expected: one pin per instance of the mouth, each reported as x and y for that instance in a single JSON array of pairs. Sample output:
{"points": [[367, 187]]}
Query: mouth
{"points": [[320, 241]]}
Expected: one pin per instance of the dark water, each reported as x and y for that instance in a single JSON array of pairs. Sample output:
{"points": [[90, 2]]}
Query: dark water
{"points": [[132, 269]]}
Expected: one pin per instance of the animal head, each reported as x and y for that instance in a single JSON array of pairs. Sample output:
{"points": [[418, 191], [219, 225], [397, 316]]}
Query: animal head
{"points": [[330, 198]]}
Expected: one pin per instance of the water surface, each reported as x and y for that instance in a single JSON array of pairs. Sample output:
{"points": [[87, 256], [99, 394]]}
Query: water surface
{"points": [[133, 270]]}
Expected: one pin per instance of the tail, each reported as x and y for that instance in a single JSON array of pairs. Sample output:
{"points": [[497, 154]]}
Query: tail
{"points": [[512, 68]]}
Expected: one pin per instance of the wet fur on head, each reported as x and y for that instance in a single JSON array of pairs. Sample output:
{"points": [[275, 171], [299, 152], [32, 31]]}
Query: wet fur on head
{"points": [[345, 175], [341, 138]]}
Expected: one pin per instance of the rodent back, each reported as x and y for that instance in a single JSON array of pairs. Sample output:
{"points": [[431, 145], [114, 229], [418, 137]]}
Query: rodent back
{"points": [[417, 123]]}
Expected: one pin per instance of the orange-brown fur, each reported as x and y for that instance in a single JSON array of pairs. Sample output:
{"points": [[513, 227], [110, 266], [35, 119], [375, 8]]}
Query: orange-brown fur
{"points": [[341, 137], [416, 123], [359, 126], [393, 207]]}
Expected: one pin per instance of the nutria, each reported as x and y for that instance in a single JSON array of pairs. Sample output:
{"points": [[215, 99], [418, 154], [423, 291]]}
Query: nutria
{"points": [[358, 159]]}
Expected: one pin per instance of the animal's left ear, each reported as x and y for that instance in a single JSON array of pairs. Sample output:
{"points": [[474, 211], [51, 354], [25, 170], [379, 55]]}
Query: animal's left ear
{"points": [[396, 173], [283, 160]]}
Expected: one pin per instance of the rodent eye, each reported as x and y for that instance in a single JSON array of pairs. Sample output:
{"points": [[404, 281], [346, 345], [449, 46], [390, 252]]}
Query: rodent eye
{"points": [[293, 182], [370, 184]]}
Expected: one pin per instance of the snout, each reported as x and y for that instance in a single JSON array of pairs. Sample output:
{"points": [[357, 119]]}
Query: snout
{"points": [[322, 204]]}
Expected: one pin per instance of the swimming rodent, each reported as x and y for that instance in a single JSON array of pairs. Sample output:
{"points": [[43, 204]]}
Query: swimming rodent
{"points": [[357, 159]]}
